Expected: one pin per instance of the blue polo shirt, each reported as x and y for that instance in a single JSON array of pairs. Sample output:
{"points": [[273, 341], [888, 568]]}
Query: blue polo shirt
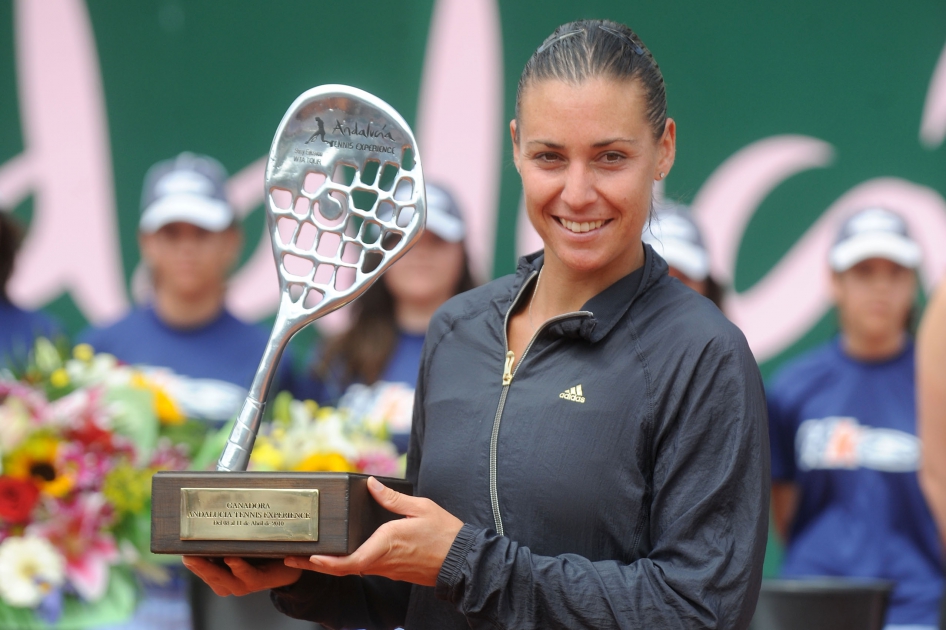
{"points": [[219, 358], [844, 431]]}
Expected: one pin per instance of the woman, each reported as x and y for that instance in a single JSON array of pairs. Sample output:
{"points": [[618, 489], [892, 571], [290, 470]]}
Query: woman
{"points": [[588, 437], [374, 364], [674, 234], [843, 431]]}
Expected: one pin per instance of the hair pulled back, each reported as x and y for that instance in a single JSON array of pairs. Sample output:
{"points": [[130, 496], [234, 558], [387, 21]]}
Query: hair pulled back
{"points": [[10, 237], [587, 49]]}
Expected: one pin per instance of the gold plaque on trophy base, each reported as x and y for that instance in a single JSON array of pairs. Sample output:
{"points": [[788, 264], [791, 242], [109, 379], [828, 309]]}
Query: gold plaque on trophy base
{"points": [[264, 515]]}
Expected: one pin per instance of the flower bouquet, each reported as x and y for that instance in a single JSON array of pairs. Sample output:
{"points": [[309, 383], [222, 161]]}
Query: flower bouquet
{"points": [[80, 438], [305, 437]]}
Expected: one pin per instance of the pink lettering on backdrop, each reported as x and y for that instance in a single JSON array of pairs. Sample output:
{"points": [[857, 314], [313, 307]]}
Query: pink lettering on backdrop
{"points": [[460, 108], [73, 242], [791, 298], [933, 127], [254, 289], [460, 114]]}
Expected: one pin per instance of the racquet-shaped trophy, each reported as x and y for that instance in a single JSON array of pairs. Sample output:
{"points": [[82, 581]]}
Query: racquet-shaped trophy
{"points": [[344, 200]]}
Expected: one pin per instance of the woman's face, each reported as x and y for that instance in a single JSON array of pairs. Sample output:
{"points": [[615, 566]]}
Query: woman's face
{"points": [[874, 298], [588, 160], [428, 273]]}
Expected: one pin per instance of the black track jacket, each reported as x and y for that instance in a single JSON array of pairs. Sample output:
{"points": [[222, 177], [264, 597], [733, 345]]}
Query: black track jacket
{"points": [[624, 465]]}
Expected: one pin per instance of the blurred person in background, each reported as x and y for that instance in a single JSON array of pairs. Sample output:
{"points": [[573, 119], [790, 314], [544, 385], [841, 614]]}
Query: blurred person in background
{"points": [[674, 234], [18, 327], [373, 365], [931, 401], [845, 454], [190, 240]]}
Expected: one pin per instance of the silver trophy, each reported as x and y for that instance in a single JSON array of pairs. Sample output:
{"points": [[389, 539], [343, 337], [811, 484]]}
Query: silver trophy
{"points": [[344, 200], [344, 195]]}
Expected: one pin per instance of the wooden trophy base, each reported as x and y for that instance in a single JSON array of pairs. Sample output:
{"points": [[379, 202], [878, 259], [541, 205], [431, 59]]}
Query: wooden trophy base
{"points": [[264, 514]]}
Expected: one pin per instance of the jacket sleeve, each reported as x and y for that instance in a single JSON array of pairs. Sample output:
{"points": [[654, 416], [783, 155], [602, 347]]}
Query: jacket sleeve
{"points": [[701, 565]]}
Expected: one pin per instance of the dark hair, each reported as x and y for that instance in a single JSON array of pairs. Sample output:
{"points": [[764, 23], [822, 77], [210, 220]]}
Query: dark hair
{"points": [[594, 48], [363, 351], [10, 238], [714, 291]]}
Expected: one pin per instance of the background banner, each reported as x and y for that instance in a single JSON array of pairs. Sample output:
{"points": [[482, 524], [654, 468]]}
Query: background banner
{"points": [[789, 117]]}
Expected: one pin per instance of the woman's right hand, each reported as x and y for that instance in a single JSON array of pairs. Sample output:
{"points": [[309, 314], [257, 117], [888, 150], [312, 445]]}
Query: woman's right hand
{"points": [[242, 578]]}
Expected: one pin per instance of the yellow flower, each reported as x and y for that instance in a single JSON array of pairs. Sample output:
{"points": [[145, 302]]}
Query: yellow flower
{"points": [[83, 352], [36, 459], [59, 378], [165, 408], [324, 462], [266, 456]]}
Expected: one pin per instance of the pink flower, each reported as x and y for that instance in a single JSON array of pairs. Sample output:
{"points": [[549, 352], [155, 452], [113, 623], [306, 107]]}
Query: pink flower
{"points": [[379, 462], [78, 531]]}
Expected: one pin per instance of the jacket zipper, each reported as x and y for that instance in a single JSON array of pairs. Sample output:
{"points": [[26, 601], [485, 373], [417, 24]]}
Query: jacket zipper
{"points": [[508, 374]]}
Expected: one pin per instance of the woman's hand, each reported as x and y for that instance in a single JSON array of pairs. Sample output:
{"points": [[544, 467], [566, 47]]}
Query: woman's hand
{"points": [[242, 578], [410, 549]]}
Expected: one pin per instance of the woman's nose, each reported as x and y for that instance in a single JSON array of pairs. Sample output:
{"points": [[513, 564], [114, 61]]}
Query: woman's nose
{"points": [[579, 190]]}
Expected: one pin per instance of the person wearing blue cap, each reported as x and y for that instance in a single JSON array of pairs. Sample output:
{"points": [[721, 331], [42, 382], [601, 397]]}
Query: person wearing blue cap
{"points": [[375, 362], [845, 453], [190, 240]]}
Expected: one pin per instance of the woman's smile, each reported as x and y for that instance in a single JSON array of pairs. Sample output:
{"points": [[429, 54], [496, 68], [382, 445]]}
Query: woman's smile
{"points": [[582, 226]]}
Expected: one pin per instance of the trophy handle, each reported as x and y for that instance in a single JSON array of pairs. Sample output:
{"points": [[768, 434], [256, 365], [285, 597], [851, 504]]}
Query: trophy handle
{"points": [[236, 454]]}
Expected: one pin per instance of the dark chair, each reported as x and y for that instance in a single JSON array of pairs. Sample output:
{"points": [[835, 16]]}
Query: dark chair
{"points": [[822, 603]]}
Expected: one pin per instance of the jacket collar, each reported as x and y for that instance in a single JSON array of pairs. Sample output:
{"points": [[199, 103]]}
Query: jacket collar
{"points": [[607, 307]]}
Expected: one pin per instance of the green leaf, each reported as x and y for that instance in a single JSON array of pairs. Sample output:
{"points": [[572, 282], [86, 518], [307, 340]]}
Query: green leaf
{"points": [[135, 418], [211, 448], [192, 434]]}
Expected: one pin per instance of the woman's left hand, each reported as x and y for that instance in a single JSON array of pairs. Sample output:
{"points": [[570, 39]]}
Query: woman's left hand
{"points": [[410, 549]]}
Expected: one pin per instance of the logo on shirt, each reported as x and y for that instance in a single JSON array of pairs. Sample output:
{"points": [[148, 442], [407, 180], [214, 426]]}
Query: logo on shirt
{"points": [[844, 443], [573, 394]]}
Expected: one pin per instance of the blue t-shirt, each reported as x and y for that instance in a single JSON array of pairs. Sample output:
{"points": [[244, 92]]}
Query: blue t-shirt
{"points": [[844, 431], [18, 330], [223, 351], [401, 369]]}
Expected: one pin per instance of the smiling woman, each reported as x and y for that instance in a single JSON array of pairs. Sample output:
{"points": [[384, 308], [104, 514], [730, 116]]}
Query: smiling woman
{"points": [[588, 440]]}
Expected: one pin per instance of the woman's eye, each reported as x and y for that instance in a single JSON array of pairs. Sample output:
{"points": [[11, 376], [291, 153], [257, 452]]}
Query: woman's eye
{"points": [[612, 158], [547, 157]]}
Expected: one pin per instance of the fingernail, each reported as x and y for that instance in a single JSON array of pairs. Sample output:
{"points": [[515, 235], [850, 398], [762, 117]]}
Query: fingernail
{"points": [[375, 484], [315, 560]]}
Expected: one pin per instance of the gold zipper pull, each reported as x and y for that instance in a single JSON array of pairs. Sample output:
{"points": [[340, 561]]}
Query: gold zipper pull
{"points": [[507, 369]]}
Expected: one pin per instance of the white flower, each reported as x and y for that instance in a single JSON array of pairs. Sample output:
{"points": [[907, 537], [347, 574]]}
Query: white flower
{"points": [[30, 568]]}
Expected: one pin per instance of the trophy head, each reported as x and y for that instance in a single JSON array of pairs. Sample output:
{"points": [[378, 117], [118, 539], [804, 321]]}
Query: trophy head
{"points": [[344, 198]]}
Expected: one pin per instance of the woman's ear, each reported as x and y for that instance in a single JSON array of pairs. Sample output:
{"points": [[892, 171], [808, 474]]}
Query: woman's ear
{"points": [[513, 131], [666, 149]]}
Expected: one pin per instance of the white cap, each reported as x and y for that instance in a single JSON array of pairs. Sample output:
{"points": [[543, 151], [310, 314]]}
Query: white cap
{"points": [[874, 233], [190, 189], [674, 235], [443, 215]]}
